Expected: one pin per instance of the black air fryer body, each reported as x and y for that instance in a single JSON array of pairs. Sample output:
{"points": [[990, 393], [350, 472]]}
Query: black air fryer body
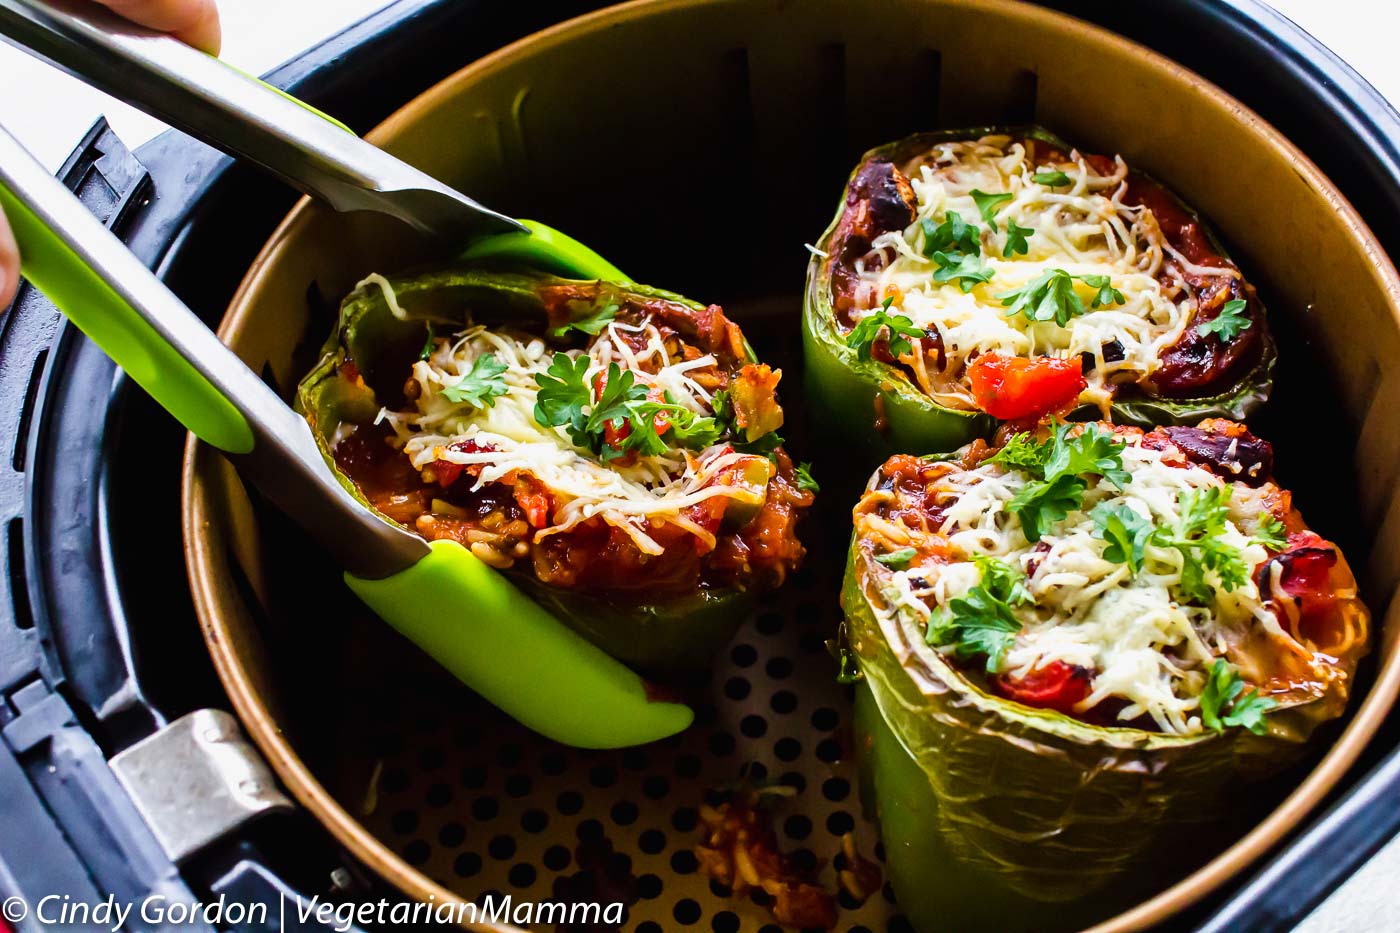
{"points": [[99, 645]]}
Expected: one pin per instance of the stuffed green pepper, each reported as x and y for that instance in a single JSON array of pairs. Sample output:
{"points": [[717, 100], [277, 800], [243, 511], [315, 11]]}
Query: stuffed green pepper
{"points": [[613, 449], [1073, 648], [1000, 275]]}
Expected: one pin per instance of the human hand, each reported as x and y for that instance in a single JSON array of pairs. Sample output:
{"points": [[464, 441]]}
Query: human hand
{"points": [[193, 21]]}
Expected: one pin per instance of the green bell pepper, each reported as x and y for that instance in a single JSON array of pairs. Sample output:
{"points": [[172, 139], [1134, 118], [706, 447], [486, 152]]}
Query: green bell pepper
{"points": [[658, 638], [877, 409], [997, 815]]}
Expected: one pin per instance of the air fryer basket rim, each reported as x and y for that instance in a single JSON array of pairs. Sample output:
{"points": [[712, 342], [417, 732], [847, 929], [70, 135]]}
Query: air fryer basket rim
{"points": [[257, 717]]}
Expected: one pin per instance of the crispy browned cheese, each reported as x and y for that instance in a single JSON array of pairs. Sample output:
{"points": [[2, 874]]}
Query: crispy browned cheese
{"points": [[739, 849]]}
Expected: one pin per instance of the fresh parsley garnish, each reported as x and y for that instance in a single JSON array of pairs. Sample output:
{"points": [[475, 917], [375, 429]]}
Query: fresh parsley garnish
{"points": [[981, 621], [1229, 323], [481, 386], [954, 235], [1057, 466], [1052, 179], [964, 268], [430, 344], [1106, 294], [591, 324], [1050, 296], [1126, 531], [1271, 533], [564, 394], [1040, 504], [805, 482], [1016, 237], [863, 336], [1224, 702], [897, 559], [1092, 451], [1196, 535], [989, 204], [686, 428]]}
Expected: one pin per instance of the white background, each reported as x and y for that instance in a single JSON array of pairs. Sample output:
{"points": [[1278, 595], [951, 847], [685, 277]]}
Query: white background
{"points": [[49, 111]]}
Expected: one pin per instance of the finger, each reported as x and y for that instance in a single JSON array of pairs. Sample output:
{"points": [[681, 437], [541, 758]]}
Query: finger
{"points": [[192, 21], [9, 265]]}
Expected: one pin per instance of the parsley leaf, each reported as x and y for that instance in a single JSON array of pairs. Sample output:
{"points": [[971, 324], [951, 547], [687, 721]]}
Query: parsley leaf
{"points": [[1126, 531], [430, 344], [1023, 452], [1004, 581], [685, 427], [1016, 240], [989, 204], [1040, 504], [953, 235], [1052, 179], [479, 387], [1271, 533], [897, 559], [1092, 451], [1229, 323], [863, 336], [1224, 702], [805, 482], [1196, 536], [1106, 294], [564, 394], [1049, 296], [981, 621], [965, 269], [619, 389], [1056, 466], [592, 323]]}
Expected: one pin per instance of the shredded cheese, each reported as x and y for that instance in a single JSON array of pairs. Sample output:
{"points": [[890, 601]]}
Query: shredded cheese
{"points": [[634, 496], [1083, 228], [1146, 645]]}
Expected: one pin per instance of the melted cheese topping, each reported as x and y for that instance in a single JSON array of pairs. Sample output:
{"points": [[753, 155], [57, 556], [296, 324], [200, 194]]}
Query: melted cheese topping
{"points": [[1083, 228], [1147, 647], [635, 496]]}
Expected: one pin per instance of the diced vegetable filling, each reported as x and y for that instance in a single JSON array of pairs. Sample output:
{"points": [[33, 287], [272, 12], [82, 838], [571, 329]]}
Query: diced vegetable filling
{"points": [[999, 249], [633, 447], [1159, 581]]}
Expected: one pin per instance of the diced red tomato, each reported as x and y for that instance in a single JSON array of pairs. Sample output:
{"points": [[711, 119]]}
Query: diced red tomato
{"points": [[1057, 686], [1013, 387], [448, 472], [1307, 570], [532, 496], [615, 432], [708, 514]]}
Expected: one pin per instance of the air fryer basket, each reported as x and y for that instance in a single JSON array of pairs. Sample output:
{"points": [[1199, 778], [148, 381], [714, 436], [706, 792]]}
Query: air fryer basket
{"points": [[698, 145]]}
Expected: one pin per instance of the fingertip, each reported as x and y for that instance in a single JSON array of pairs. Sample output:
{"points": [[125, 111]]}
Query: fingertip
{"points": [[206, 33], [9, 265]]}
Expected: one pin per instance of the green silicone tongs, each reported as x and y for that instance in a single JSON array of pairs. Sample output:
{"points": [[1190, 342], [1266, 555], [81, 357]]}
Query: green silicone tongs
{"points": [[467, 616]]}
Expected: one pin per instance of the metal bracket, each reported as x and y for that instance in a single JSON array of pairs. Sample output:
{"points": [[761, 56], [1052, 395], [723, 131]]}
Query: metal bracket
{"points": [[197, 780]]}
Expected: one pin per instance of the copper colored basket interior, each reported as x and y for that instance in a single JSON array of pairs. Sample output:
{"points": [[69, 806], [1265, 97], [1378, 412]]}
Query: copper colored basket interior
{"points": [[698, 145]]}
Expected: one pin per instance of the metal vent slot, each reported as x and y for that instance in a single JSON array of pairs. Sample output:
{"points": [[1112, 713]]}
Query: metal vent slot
{"points": [[19, 588], [26, 413]]}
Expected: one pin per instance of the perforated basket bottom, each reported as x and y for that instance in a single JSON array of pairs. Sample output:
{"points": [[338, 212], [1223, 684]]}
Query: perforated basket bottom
{"points": [[487, 808]]}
